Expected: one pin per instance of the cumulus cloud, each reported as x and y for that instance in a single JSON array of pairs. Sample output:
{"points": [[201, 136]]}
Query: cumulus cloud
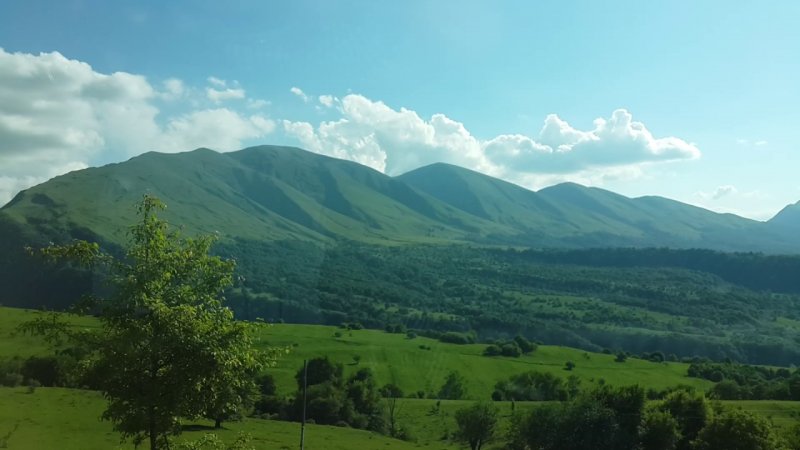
{"points": [[397, 140], [299, 92], [59, 114]]}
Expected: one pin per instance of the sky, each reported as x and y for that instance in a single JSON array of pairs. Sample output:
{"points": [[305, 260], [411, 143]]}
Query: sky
{"points": [[698, 101]]}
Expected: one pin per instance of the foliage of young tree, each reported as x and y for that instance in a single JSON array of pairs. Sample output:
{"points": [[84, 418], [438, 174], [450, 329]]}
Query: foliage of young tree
{"points": [[477, 424], [658, 430], [454, 387], [167, 347], [734, 429], [691, 411]]}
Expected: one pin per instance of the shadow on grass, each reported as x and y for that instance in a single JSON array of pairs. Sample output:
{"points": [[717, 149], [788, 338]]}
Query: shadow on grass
{"points": [[198, 427]]}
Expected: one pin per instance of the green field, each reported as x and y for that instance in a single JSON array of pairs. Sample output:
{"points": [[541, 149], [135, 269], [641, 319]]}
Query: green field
{"points": [[396, 359], [399, 360], [69, 419]]}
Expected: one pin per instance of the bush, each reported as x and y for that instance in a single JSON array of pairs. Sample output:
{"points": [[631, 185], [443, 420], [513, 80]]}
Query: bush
{"points": [[390, 390], [492, 350], [451, 337], [569, 365], [12, 379], [621, 357], [510, 349]]}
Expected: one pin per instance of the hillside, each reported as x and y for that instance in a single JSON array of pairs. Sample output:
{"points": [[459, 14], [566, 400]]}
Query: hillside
{"points": [[788, 218], [272, 193]]}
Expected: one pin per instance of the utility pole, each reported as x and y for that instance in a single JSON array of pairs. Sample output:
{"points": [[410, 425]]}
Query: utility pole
{"points": [[303, 423]]}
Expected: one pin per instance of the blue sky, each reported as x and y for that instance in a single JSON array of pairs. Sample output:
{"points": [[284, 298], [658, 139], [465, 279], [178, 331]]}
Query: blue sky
{"points": [[699, 99]]}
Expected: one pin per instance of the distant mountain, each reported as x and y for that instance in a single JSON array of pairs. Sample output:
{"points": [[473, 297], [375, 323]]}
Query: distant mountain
{"points": [[788, 218], [272, 193], [571, 215]]}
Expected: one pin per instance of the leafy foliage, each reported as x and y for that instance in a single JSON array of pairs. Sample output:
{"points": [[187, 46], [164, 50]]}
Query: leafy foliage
{"points": [[167, 347]]}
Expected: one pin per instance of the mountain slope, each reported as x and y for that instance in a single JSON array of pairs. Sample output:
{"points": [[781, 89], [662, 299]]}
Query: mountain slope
{"points": [[262, 193], [270, 193], [572, 215], [787, 218]]}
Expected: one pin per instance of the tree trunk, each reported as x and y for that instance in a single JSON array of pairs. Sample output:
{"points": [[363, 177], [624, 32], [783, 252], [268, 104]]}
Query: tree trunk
{"points": [[217, 423], [152, 432]]}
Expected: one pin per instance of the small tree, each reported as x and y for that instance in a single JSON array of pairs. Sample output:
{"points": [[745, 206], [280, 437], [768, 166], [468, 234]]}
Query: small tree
{"points": [[454, 387], [658, 430], [167, 347], [477, 424]]}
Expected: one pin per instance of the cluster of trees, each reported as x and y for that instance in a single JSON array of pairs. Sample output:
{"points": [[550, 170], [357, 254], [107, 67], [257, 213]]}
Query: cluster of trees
{"points": [[331, 398], [745, 382], [619, 419], [514, 347], [536, 386]]}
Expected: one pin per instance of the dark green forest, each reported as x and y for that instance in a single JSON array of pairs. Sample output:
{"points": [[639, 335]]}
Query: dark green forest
{"points": [[744, 307]]}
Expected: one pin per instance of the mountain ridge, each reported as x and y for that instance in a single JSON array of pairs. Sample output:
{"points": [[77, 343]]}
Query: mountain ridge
{"points": [[286, 193]]}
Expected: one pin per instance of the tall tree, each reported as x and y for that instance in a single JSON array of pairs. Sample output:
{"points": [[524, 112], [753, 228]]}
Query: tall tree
{"points": [[168, 348]]}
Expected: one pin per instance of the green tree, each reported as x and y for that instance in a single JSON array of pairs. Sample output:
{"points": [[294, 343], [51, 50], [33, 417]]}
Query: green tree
{"points": [[734, 429], [658, 430], [454, 387], [167, 347], [691, 412], [477, 424]]}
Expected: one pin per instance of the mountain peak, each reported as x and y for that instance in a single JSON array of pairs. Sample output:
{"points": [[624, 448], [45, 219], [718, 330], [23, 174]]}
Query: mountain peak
{"points": [[787, 217]]}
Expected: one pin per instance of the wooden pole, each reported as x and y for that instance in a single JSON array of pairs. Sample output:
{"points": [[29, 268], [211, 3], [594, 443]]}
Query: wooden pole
{"points": [[303, 423]]}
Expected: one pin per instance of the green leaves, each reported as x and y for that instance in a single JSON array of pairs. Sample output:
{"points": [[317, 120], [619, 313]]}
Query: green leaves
{"points": [[168, 348]]}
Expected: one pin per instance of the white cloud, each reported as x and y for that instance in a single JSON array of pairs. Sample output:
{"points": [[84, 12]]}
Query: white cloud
{"points": [[219, 96], [395, 141], [217, 82], [721, 192], [173, 89], [256, 103], [327, 100], [749, 143], [299, 92], [58, 114]]}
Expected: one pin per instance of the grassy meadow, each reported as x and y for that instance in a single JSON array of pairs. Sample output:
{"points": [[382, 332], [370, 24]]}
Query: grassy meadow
{"points": [[70, 419]]}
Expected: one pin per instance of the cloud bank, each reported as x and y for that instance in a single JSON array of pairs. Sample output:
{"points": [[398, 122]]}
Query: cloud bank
{"points": [[59, 114], [398, 140]]}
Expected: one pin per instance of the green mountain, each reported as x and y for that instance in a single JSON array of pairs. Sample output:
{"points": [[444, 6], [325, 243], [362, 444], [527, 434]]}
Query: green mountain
{"points": [[261, 193], [571, 215], [272, 193]]}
